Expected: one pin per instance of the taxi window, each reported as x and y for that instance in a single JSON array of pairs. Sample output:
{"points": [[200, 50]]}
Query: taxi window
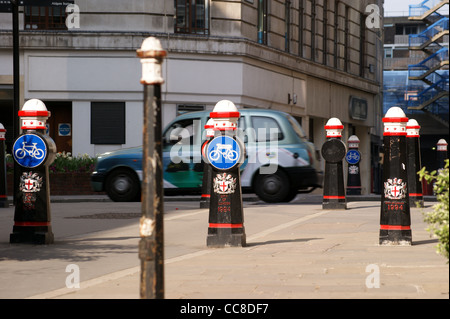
{"points": [[296, 126], [181, 132], [266, 129]]}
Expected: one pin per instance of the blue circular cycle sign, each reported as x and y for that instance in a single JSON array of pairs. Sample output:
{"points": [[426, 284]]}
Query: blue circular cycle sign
{"points": [[223, 152], [29, 150], [353, 157]]}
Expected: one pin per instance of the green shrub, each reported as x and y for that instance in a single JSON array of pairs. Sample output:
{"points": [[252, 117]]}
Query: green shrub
{"points": [[63, 163], [438, 218]]}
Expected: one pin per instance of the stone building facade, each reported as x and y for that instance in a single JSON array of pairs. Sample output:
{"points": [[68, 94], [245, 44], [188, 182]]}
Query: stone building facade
{"points": [[314, 59]]}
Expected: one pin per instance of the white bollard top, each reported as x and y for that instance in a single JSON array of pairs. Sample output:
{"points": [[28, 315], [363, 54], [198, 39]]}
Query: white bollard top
{"points": [[34, 115], [151, 54], [442, 145], [353, 141], [412, 128], [395, 122], [225, 115], [2, 132], [334, 127]]}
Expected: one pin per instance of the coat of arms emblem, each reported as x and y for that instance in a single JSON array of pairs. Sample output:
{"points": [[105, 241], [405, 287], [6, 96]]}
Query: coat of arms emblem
{"points": [[395, 188], [353, 169], [30, 182], [224, 184]]}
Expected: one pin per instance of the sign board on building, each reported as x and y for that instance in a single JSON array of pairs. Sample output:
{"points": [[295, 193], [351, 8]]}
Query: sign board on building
{"points": [[64, 129], [5, 5], [358, 108], [44, 3]]}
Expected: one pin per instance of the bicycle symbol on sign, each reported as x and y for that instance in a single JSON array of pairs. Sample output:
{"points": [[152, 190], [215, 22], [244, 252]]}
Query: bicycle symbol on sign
{"points": [[31, 150], [224, 150], [353, 157]]}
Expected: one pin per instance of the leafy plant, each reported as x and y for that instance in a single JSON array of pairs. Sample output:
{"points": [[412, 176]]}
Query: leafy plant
{"points": [[64, 163], [438, 218]]}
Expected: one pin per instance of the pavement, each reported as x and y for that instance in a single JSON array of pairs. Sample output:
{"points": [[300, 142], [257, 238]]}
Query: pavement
{"points": [[295, 250]]}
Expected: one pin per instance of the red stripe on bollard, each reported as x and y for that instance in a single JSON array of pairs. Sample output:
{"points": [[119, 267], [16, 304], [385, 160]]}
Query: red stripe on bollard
{"points": [[395, 227], [415, 194], [211, 225], [394, 134], [334, 197], [31, 223]]}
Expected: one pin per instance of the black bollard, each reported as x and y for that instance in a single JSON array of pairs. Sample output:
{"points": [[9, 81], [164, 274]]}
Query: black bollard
{"points": [[3, 189], [441, 153], [151, 223], [395, 219], [414, 164], [33, 151], [353, 157], [207, 179], [225, 153], [333, 151]]}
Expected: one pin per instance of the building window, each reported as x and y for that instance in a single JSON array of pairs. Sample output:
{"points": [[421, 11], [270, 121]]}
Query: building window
{"points": [[192, 16], [301, 12], [362, 44], [401, 29], [388, 53], [313, 30], [325, 32], [262, 21], [336, 34], [108, 123], [45, 18], [287, 31], [347, 39]]}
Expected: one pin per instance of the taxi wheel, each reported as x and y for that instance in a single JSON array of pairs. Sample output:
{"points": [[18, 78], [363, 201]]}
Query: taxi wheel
{"points": [[272, 188], [122, 185]]}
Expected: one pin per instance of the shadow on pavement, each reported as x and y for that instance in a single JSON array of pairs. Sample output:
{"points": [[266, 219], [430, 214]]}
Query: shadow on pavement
{"points": [[269, 242]]}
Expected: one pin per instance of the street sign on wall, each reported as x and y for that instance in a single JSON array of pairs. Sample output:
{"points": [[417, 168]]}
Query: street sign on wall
{"points": [[44, 3], [5, 5]]}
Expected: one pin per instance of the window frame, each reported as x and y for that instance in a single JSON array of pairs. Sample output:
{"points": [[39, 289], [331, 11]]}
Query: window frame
{"points": [[190, 14], [44, 18], [262, 26], [97, 130]]}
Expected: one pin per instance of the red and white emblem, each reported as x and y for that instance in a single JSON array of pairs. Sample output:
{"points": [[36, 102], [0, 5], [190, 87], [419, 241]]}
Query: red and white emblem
{"points": [[224, 184], [395, 188], [30, 182]]}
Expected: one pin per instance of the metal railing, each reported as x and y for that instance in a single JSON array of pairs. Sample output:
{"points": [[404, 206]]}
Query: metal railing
{"points": [[432, 92], [416, 40], [431, 62], [417, 10]]}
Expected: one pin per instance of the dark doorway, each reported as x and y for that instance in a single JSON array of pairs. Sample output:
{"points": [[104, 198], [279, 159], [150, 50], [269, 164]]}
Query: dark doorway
{"points": [[6, 114], [60, 124]]}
